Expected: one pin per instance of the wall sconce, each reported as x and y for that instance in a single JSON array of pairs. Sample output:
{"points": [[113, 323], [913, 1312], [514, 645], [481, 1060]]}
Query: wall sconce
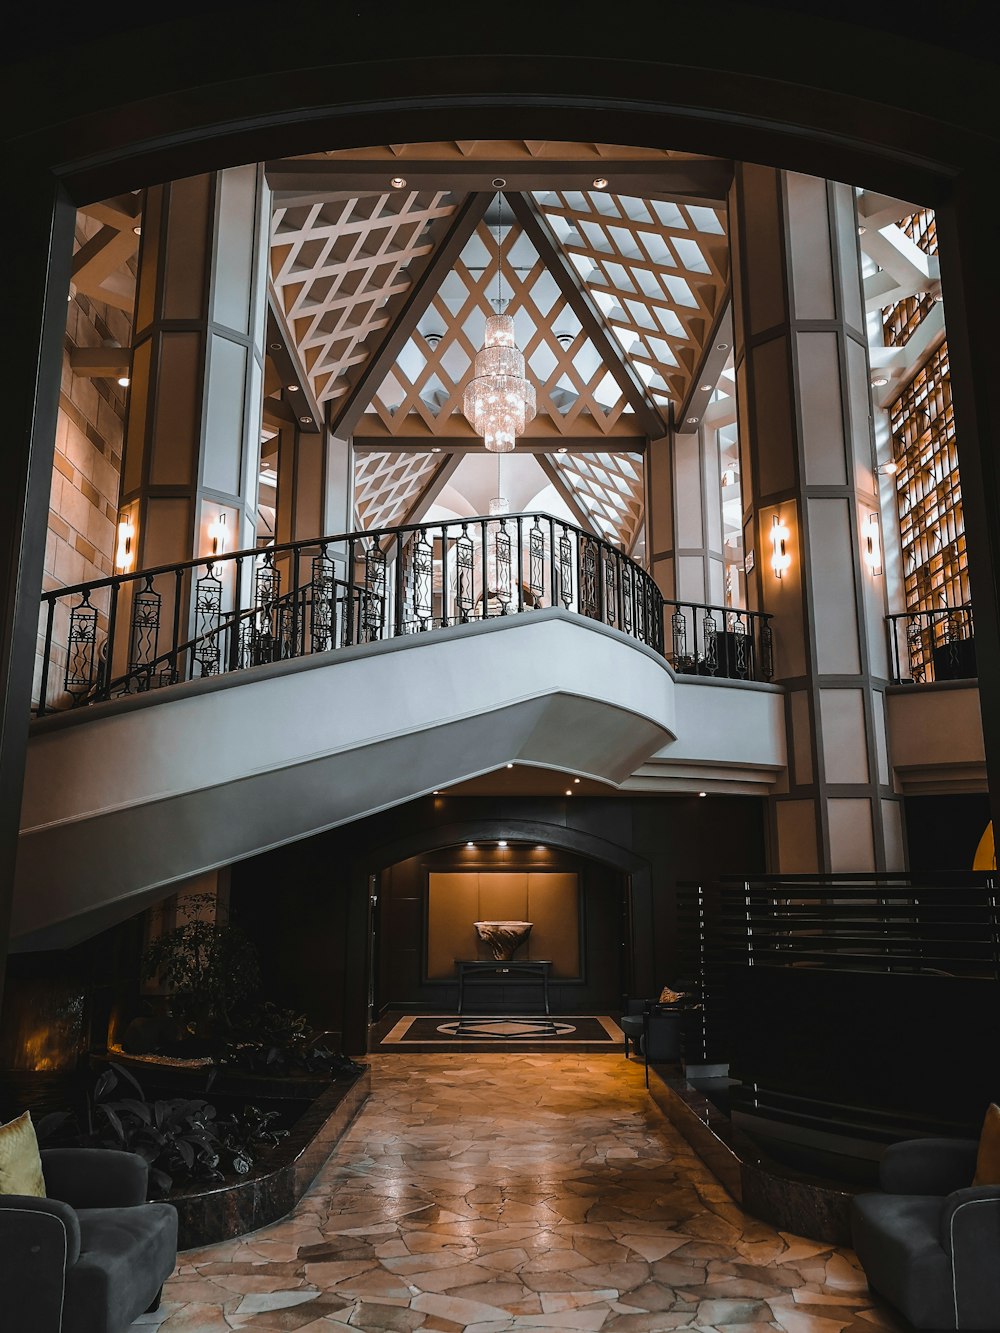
{"points": [[780, 559], [217, 534], [873, 545], [124, 555]]}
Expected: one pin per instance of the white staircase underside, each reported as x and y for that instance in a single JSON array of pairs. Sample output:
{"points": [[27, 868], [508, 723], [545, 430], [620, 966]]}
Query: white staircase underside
{"points": [[125, 799]]}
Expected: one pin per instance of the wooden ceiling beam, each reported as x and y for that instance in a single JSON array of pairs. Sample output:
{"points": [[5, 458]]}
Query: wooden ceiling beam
{"points": [[588, 313], [703, 181], [346, 411]]}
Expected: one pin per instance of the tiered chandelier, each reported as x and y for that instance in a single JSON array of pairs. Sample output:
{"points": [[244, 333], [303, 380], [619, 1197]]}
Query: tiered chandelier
{"points": [[499, 400]]}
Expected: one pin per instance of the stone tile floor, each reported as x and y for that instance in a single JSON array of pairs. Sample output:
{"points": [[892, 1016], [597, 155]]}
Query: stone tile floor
{"points": [[516, 1192]]}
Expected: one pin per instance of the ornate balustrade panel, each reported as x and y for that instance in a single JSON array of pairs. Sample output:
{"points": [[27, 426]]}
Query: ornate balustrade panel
{"points": [[926, 646], [723, 641], [233, 612]]}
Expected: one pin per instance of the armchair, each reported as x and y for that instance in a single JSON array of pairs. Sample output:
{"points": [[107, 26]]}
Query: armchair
{"points": [[92, 1255], [930, 1241]]}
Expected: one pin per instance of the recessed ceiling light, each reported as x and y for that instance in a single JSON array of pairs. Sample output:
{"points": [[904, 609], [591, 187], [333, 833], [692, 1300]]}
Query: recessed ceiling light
{"points": [[563, 449], [692, 421], [703, 793], [879, 380], [722, 347], [510, 765], [498, 182], [123, 381], [137, 229], [436, 449], [397, 182], [305, 420], [600, 182], [470, 844], [569, 791], [501, 844], [275, 347], [293, 388], [706, 388]]}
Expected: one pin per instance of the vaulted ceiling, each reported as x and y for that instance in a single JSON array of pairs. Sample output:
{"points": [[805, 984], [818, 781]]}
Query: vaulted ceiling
{"points": [[613, 263]]}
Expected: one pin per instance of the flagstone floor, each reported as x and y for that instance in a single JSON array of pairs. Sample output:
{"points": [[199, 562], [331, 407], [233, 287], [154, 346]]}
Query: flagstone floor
{"points": [[531, 1192]]}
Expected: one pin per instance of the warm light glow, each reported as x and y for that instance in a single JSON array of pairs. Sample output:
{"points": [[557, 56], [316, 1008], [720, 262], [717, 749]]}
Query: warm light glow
{"points": [[703, 793], [397, 182], [510, 765], [470, 844], [217, 535], [600, 182], [499, 401], [780, 559], [576, 780], [124, 381], [501, 844], [873, 545], [124, 555]]}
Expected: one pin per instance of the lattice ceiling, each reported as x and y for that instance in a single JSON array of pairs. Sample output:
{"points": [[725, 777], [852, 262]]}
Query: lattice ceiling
{"points": [[387, 486], [610, 488], [422, 395], [342, 268], [657, 270]]}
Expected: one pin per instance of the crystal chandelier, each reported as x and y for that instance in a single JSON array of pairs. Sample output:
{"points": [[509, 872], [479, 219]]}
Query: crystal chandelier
{"points": [[499, 400]]}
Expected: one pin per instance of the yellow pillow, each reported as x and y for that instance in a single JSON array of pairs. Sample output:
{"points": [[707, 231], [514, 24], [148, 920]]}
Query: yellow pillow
{"points": [[988, 1157], [20, 1164]]}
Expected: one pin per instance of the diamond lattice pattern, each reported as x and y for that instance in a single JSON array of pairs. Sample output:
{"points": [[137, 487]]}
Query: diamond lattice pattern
{"points": [[657, 270], [576, 393], [609, 487], [342, 268], [386, 486]]}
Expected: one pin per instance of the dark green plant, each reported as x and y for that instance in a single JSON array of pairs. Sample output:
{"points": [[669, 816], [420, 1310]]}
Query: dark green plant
{"points": [[211, 968], [182, 1139], [270, 1040]]}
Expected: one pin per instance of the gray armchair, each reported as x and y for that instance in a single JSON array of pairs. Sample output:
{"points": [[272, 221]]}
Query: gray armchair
{"points": [[930, 1241], [91, 1256]]}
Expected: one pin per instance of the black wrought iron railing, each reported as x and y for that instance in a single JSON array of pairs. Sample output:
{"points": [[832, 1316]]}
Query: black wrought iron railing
{"points": [[944, 926], [927, 646], [722, 641], [134, 632]]}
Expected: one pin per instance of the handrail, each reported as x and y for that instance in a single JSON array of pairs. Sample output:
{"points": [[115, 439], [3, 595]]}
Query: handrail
{"points": [[934, 645], [136, 631]]}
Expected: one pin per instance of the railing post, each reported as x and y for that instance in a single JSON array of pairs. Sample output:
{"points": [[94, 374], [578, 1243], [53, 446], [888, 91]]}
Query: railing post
{"points": [[43, 688]]}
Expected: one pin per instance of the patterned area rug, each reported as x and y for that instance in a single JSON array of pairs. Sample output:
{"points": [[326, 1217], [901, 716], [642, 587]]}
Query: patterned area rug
{"points": [[504, 1029]]}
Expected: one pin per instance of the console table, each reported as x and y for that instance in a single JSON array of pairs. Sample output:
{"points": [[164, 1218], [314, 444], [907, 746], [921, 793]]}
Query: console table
{"points": [[491, 971]]}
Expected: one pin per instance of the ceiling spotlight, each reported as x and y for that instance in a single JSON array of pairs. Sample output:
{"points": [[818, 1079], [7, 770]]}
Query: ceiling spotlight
{"points": [[600, 182], [498, 182], [563, 449], [692, 421], [501, 844], [275, 347], [706, 388], [137, 229], [576, 780], [293, 388], [569, 791], [510, 765], [397, 182], [305, 420], [703, 793], [470, 844], [879, 380], [123, 380], [722, 347]]}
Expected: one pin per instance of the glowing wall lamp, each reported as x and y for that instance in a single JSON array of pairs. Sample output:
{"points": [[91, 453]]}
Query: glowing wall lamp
{"points": [[217, 535], [124, 555], [780, 559], [873, 544]]}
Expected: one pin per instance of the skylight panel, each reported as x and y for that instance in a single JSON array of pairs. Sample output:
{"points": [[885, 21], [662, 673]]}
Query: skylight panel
{"points": [[705, 219], [679, 290], [604, 204], [670, 323], [657, 249], [640, 314], [607, 392], [635, 209], [690, 255], [595, 237], [618, 277], [647, 282], [584, 265], [626, 336], [625, 242], [669, 214]]}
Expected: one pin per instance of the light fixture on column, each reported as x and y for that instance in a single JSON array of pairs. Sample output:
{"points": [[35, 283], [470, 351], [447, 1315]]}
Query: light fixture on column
{"points": [[888, 469], [499, 400], [873, 544], [780, 559], [217, 535], [124, 555], [499, 504]]}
